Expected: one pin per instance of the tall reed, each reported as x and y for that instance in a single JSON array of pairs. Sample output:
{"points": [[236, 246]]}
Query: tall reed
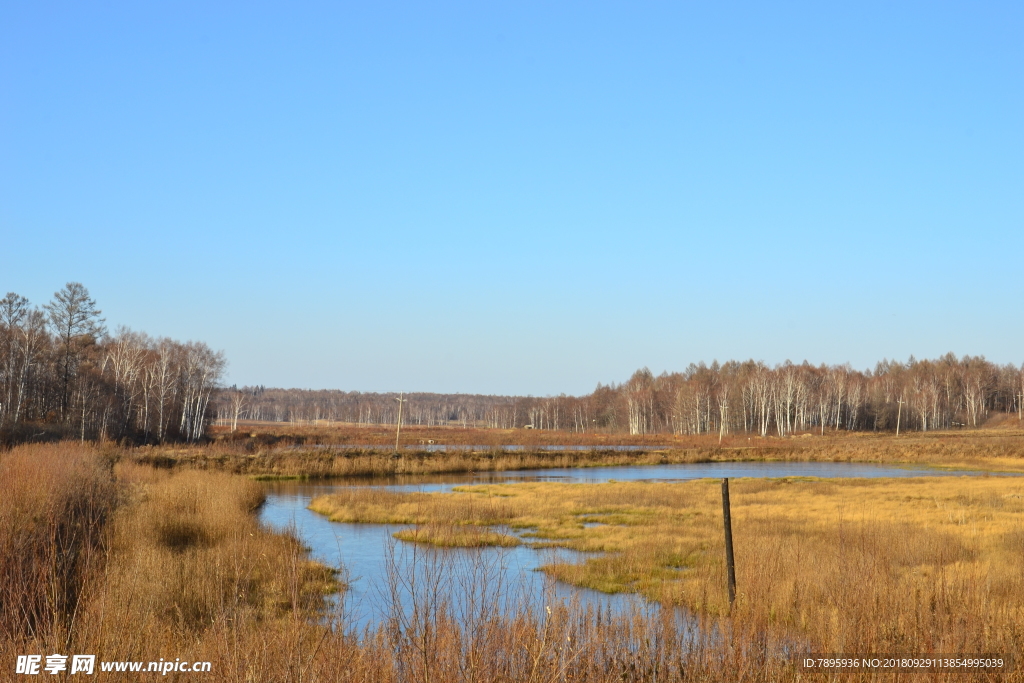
{"points": [[56, 502]]}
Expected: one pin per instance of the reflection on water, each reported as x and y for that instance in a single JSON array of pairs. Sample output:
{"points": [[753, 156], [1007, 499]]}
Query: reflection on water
{"points": [[383, 572]]}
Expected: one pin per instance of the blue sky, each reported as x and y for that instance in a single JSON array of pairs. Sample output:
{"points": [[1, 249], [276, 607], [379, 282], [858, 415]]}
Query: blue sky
{"points": [[526, 197]]}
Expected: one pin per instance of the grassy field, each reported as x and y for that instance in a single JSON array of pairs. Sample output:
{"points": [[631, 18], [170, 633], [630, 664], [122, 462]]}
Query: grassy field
{"points": [[871, 565]]}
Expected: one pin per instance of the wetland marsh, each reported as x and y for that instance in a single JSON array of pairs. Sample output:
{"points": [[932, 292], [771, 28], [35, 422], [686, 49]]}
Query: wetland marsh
{"points": [[810, 536], [596, 573]]}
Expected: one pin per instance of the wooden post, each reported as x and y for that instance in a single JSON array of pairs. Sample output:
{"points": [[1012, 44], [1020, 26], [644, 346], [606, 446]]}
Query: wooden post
{"points": [[899, 413], [730, 561], [398, 432]]}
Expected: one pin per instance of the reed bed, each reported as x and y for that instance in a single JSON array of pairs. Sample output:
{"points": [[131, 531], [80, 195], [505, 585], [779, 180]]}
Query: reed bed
{"points": [[56, 502], [326, 464]]}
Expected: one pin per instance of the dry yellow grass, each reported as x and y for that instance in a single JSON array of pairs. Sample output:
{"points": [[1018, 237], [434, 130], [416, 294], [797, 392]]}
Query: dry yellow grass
{"points": [[448, 536], [190, 544], [463, 519], [366, 504], [925, 564], [181, 566]]}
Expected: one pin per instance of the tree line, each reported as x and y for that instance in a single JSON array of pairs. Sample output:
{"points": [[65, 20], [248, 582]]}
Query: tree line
{"points": [[62, 374], [751, 397], [748, 397], [364, 408]]}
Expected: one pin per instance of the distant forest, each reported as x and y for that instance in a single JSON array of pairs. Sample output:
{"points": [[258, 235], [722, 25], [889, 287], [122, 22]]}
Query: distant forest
{"points": [[63, 375], [735, 397]]}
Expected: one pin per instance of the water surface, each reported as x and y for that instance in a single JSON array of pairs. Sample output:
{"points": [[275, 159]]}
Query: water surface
{"points": [[368, 551]]}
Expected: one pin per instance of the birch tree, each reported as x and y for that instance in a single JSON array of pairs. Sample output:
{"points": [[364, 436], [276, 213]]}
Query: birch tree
{"points": [[200, 372], [126, 356], [239, 401], [639, 400]]}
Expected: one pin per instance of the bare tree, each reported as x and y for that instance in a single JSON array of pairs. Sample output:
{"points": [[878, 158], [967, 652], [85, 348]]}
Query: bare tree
{"points": [[13, 311], [75, 319]]}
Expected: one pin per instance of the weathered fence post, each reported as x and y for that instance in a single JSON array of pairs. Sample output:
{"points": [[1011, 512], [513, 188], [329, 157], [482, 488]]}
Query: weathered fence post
{"points": [[730, 562], [398, 432]]}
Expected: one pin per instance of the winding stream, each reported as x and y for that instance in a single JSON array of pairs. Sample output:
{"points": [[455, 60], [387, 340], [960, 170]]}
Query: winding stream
{"points": [[378, 567]]}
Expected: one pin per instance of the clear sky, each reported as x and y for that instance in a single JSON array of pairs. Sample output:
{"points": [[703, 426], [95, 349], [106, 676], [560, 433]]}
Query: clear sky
{"points": [[521, 197]]}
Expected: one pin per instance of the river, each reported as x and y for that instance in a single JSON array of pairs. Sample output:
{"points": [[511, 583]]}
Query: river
{"points": [[379, 569]]}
